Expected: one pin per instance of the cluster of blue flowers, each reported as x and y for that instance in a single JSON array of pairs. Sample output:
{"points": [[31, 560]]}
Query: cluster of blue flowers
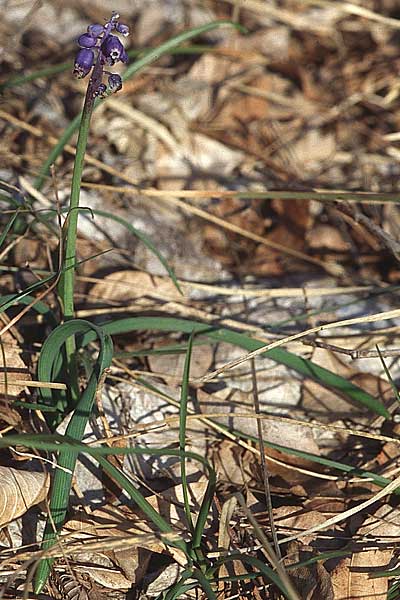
{"points": [[99, 46]]}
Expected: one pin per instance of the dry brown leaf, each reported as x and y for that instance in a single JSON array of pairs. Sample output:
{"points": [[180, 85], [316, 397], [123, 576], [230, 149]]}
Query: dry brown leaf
{"points": [[312, 582], [231, 402], [12, 367], [323, 402], [351, 580], [115, 523], [124, 286], [232, 463], [19, 491], [291, 520], [327, 236], [172, 364]]}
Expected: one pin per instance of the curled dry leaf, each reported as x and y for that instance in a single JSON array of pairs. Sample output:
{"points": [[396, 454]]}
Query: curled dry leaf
{"points": [[19, 491]]}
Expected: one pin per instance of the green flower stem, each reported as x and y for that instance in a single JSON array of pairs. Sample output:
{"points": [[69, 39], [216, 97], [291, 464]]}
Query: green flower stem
{"points": [[67, 279]]}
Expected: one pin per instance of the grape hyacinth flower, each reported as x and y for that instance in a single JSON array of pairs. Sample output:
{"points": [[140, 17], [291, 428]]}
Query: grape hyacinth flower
{"points": [[99, 48]]}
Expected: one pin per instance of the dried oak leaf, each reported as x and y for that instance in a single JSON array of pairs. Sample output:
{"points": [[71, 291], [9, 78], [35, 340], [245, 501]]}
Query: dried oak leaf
{"points": [[312, 581], [125, 286], [351, 578], [19, 491]]}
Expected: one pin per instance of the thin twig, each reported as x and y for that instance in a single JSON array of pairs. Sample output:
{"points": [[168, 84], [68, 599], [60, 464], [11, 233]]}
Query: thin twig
{"points": [[350, 352]]}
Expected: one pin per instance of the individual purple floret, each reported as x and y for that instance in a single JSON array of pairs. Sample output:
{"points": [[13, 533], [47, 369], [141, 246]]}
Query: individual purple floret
{"points": [[86, 41], [95, 30], [112, 49], [114, 82], [98, 48], [122, 29], [83, 62]]}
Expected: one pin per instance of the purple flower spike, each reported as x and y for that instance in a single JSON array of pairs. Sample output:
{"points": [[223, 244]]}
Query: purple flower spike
{"points": [[112, 49], [86, 41], [83, 63], [95, 30], [122, 29], [98, 48], [114, 82]]}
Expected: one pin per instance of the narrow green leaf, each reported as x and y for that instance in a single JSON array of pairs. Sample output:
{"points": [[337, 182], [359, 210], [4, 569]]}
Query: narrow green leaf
{"points": [[25, 299], [13, 299], [395, 390], [8, 227], [62, 479], [303, 366], [205, 584], [267, 572], [178, 588], [142, 503], [182, 432]]}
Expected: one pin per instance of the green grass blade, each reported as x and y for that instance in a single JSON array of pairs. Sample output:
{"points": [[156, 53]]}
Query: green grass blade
{"points": [[13, 299], [204, 510], [8, 227], [146, 60], [62, 480], [178, 588], [141, 502], [167, 46], [300, 365], [395, 390], [350, 470], [182, 432], [55, 442], [56, 151], [170, 349], [51, 70], [266, 571], [27, 78], [205, 584], [137, 233], [40, 307]]}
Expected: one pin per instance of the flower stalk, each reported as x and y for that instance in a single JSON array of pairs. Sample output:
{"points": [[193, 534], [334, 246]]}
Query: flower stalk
{"points": [[98, 48]]}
